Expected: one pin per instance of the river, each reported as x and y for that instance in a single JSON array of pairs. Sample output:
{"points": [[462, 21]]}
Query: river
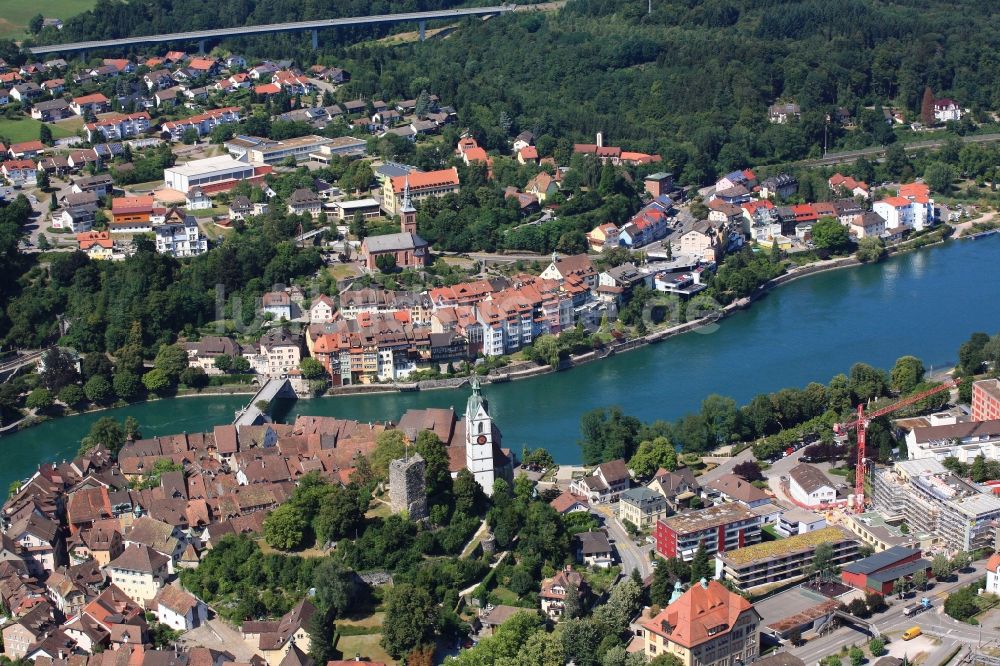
{"points": [[925, 303]]}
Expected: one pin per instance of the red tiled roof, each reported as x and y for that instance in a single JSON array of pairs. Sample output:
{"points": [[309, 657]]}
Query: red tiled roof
{"points": [[419, 179]]}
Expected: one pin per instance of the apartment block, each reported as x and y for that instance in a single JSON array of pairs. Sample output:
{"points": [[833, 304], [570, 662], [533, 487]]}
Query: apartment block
{"points": [[719, 528]]}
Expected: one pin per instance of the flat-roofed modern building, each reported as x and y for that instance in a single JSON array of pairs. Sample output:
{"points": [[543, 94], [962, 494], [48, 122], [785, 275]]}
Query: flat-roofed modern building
{"points": [[213, 174], [775, 562], [932, 500], [719, 528], [346, 210]]}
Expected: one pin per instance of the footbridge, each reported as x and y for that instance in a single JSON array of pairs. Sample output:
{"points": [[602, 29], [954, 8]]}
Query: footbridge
{"points": [[202, 36], [274, 388]]}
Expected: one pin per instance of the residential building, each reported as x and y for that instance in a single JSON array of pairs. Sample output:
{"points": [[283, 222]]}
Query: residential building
{"points": [[278, 304], [677, 487], [781, 186], [605, 483], [202, 354], [178, 609], [178, 235], [576, 267], [542, 186], [810, 487], [23, 632], [139, 572], [799, 521], [417, 186], [993, 574], [867, 225], [947, 438], [202, 123], [491, 618], [77, 219], [986, 400], [659, 184], [280, 353], [118, 126], [555, 590], [877, 573], [603, 237], [782, 112], [305, 202], [52, 110], [702, 241], [593, 549], [717, 528], [641, 507], [19, 172], [873, 530], [706, 626], [773, 563], [733, 488], [274, 640], [94, 103], [212, 174], [841, 184], [368, 208], [98, 245], [945, 110], [322, 310], [933, 501], [567, 503], [197, 199]]}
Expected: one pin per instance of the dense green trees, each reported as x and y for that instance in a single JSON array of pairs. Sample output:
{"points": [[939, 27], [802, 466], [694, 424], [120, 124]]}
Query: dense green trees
{"points": [[410, 619]]}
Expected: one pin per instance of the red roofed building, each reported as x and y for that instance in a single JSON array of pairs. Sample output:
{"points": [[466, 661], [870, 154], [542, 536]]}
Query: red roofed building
{"points": [[267, 89], [854, 188], [528, 154], [25, 149], [993, 574], [118, 126], [131, 209], [95, 103], [422, 184], [204, 65], [706, 625]]}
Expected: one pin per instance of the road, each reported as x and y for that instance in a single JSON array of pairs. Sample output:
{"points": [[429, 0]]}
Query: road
{"points": [[726, 467], [292, 26], [632, 555], [893, 623], [879, 151]]}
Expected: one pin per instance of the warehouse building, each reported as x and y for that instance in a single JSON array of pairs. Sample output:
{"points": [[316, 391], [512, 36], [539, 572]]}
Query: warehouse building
{"points": [[878, 572], [213, 174]]}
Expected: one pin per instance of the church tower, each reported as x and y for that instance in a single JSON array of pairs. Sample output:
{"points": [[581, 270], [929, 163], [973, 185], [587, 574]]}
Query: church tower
{"points": [[407, 213], [479, 436]]}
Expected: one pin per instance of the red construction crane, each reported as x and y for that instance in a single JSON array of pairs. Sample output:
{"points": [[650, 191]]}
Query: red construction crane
{"points": [[861, 425]]}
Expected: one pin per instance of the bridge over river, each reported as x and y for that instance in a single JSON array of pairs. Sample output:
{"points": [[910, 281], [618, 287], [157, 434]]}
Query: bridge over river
{"points": [[251, 414]]}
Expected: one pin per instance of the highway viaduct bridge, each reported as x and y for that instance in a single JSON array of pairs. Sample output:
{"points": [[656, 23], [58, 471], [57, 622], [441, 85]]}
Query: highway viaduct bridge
{"points": [[203, 36]]}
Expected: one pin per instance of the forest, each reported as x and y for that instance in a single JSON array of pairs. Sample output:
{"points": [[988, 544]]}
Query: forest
{"points": [[691, 81]]}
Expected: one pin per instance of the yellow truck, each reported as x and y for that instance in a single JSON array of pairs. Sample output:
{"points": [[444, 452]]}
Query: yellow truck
{"points": [[911, 633]]}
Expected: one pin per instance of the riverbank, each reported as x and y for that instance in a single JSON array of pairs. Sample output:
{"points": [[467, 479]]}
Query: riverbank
{"points": [[529, 370], [916, 303]]}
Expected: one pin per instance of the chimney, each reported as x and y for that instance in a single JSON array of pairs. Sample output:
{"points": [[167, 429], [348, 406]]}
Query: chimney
{"points": [[600, 139]]}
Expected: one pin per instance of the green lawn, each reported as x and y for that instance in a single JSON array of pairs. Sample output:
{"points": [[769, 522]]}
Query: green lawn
{"points": [[26, 129], [367, 646], [15, 14]]}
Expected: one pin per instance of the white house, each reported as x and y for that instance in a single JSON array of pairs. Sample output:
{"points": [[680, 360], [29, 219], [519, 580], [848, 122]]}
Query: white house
{"points": [[945, 110], [993, 574], [809, 486], [799, 521], [897, 212], [198, 200], [321, 311], [178, 609], [139, 572], [278, 304]]}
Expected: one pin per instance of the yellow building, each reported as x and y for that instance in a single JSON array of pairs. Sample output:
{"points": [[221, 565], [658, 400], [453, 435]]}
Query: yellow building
{"points": [[706, 626]]}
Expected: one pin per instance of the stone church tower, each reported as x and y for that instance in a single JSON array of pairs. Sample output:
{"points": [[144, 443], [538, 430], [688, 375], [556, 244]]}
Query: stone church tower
{"points": [[480, 439], [407, 213]]}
